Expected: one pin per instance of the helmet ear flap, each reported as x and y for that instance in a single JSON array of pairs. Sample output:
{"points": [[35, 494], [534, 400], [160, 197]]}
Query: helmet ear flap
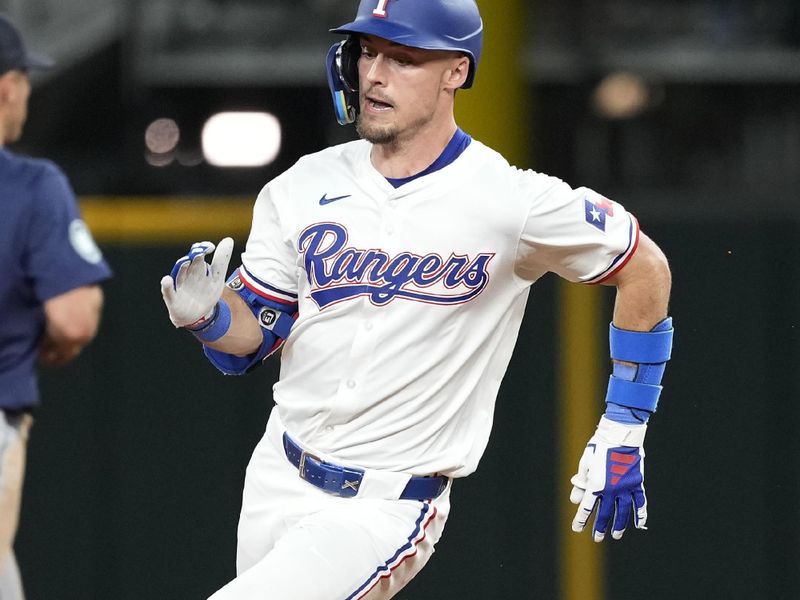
{"points": [[342, 62], [348, 62]]}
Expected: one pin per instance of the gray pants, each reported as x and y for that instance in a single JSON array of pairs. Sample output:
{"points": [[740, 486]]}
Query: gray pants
{"points": [[10, 581], [13, 443]]}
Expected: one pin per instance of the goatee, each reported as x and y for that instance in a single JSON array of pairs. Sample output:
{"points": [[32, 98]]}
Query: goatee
{"points": [[375, 135]]}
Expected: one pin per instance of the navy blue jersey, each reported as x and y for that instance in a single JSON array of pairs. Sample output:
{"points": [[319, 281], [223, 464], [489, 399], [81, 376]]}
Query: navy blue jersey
{"points": [[45, 250]]}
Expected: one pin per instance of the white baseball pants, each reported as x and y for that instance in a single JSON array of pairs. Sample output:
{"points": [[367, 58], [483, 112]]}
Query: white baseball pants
{"points": [[296, 542], [13, 444]]}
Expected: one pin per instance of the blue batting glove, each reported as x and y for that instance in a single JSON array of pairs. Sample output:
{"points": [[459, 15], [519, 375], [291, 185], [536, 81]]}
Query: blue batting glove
{"points": [[610, 480]]}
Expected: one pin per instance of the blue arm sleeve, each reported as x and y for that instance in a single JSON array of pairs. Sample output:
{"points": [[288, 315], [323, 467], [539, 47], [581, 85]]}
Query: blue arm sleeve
{"points": [[276, 322]]}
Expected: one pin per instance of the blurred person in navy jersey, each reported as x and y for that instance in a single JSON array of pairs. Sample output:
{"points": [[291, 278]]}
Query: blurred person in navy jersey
{"points": [[50, 299]]}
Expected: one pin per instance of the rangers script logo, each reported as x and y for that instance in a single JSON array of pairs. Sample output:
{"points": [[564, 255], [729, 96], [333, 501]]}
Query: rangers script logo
{"points": [[337, 273]]}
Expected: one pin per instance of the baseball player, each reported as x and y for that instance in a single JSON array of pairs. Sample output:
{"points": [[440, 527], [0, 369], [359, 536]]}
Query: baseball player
{"points": [[50, 294], [394, 271]]}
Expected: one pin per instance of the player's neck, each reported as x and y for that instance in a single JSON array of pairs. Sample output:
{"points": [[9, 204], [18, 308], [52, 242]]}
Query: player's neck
{"points": [[408, 157]]}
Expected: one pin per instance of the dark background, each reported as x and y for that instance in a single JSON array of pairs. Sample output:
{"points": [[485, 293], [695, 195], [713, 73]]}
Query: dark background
{"points": [[137, 458]]}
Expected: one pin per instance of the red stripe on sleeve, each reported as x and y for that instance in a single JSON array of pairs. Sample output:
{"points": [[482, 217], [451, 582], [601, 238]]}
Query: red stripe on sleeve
{"points": [[624, 262], [263, 294]]}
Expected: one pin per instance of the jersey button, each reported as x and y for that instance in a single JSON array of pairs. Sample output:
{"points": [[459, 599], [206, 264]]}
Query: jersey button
{"points": [[389, 230], [351, 383], [368, 326]]}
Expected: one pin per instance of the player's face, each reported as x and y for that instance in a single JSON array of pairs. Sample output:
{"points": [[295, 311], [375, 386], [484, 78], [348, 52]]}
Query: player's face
{"points": [[16, 90], [403, 89]]}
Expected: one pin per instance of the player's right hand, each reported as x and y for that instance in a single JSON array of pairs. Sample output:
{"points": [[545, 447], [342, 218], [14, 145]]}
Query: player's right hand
{"points": [[192, 289]]}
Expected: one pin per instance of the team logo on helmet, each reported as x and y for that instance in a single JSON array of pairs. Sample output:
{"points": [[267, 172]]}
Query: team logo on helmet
{"points": [[380, 10]]}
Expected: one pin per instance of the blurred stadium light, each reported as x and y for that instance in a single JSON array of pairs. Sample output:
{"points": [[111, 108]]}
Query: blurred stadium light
{"points": [[239, 139]]}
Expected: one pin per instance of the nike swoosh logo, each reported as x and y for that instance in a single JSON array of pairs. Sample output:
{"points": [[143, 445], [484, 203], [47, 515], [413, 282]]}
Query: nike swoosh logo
{"points": [[325, 200]]}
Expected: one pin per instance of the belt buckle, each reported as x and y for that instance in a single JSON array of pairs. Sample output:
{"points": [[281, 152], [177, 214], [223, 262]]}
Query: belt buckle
{"points": [[301, 468]]}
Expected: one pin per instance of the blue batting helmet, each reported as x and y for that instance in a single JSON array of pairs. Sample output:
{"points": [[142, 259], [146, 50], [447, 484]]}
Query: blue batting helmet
{"points": [[428, 24]]}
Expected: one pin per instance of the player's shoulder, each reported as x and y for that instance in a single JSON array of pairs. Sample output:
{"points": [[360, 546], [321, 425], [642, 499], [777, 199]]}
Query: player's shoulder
{"points": [[486, 153], [27, 170], [332, 163], [491, 163], [33, 184], [338, 156]]}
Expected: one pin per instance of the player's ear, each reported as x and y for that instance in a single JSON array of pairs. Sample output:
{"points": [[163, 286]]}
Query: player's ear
{"points": [[457, 73], [9, 85], [6, 87]]}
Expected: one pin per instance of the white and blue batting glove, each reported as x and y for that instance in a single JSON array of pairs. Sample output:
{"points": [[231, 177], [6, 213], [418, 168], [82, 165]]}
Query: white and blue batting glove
{"points": [[610, 480], [193, 288]]}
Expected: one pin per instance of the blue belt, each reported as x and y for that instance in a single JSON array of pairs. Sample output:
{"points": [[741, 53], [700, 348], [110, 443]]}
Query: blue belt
{"points": [[345, 481]]}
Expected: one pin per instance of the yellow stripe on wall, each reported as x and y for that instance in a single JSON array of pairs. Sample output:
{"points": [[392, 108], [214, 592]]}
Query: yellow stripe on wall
{"points": [[496, 109], [166, 220], [581, 564]]}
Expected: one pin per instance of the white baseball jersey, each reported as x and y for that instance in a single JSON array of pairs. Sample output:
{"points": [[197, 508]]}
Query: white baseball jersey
{"points": [[410, 299]]}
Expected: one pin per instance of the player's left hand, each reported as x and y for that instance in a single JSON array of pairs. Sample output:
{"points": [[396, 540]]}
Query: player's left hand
{"points": [[610, 480], [193, 288]]}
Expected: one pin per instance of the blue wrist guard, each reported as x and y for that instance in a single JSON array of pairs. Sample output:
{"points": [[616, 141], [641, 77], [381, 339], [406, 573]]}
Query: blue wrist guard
{"points": [[634, 389], [215, 327]]}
